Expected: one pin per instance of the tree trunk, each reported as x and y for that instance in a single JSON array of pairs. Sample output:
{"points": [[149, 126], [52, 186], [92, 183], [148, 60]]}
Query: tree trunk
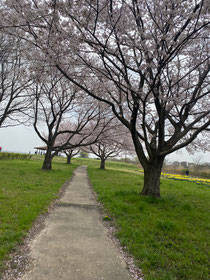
{"points": [[47, 164], [68, 159], [102, 163], [152, 174]]}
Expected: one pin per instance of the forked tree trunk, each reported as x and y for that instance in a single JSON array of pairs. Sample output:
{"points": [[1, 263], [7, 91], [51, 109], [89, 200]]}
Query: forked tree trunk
{"points": [[102, 166], [68, 159], [152, 174], [47, 164]]}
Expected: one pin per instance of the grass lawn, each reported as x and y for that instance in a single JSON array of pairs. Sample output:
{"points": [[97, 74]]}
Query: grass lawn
{"points": [[169, 237], [25, 192]]}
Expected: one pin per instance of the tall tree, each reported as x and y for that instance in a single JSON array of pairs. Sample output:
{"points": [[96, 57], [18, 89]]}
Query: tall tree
{"points": [[149, 59]]}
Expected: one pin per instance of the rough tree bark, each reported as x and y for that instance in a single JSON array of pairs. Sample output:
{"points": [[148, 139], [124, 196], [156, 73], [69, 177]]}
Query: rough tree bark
{"points": [[102, 166], [152, 173], [68, 159], [47, 164]]}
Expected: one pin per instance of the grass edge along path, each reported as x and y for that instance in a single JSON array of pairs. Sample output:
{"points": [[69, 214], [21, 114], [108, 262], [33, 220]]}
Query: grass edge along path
{"points": [[26, 191], [168, 237]]}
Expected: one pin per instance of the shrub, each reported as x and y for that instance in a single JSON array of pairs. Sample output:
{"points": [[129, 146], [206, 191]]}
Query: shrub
{"points": [[83, 154], [13, 156]]}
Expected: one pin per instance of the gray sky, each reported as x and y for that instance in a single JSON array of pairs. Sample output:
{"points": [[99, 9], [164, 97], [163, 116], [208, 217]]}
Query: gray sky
{"points": [[23, 139], [19, 139]]}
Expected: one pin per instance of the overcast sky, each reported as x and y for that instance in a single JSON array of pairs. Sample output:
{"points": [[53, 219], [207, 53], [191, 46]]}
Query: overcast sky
{"points": [[23, 139], [19, 139]]}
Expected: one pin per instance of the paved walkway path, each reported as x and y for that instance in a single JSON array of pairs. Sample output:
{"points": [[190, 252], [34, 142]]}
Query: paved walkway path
{"points": [[74, 243]]}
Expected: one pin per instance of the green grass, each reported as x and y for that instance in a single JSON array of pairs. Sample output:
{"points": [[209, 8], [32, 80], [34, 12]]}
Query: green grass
{"points": [[110, 165], [25, 192], [169, 237]]}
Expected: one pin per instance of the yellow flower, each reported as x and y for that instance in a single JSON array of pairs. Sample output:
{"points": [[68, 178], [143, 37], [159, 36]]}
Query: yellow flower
{"points": [[186, 178]]}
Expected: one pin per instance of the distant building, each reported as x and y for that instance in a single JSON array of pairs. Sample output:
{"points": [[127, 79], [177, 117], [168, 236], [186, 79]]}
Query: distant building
{"points": [[40, 150]]}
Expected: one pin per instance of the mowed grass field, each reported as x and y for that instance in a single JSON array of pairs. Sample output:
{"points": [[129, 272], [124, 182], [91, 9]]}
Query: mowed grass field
{"points": [[168, 237], [25, 192]]}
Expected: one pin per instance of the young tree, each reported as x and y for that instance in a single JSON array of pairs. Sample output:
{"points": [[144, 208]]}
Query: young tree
{"points": [[70, 153], [14, 82], [149, 60], [110, 143], [105, 149]]}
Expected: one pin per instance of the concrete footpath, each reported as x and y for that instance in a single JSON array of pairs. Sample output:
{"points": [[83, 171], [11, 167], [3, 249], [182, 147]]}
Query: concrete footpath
{"points": [[74, 243]]}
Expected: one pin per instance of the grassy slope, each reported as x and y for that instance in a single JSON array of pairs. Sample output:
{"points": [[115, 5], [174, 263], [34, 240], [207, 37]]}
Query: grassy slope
{"points": [[169, 237], [25, 192]]}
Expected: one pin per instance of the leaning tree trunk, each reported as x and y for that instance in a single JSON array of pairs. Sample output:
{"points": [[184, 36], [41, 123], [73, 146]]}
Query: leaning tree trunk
{"points": [[152, 172], [68, 159], [47, 164], [102, 166]]}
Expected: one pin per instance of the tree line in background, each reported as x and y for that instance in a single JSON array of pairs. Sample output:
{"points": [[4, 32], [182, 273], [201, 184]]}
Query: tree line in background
{"points": [[103, 74]]}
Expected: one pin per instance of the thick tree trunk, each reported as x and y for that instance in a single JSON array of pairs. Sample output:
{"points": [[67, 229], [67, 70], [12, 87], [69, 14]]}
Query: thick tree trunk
{"points": [[68, 159], [152, 174], [47, 164], [152, 167], [102, 166]]}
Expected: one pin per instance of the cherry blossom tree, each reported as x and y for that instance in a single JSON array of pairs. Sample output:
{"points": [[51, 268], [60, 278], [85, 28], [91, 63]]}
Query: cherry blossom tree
{"points": [[147, 59], [72, 142], [105, 149], [14, 82], [63, 138], [54, 101], [110, 143], [70, 153]]}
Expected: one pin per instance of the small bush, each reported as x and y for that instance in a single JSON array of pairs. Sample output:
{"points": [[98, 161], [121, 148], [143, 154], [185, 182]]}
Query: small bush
{"points": [[13, 156], [84, 154]]}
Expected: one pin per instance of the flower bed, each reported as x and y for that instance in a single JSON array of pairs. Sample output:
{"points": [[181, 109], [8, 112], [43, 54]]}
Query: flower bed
{"points": [[186, 178]]}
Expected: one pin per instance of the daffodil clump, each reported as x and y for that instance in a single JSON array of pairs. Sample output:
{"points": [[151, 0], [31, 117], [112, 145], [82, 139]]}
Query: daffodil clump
{"points": [[186, 178]]}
